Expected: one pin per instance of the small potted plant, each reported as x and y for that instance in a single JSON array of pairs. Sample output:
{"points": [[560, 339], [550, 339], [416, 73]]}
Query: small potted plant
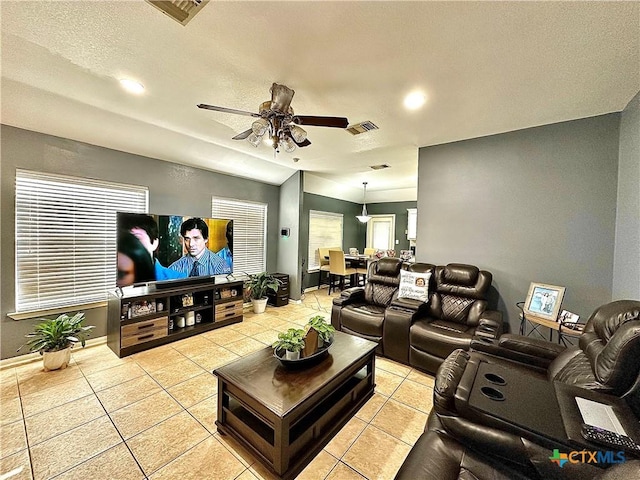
{"points": [[53, 338], [291, 341], [323, 328], [258, 286]]}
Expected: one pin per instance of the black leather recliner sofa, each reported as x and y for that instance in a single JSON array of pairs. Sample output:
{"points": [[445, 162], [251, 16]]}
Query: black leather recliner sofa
{"points": [[415, 332], [493, 439]]}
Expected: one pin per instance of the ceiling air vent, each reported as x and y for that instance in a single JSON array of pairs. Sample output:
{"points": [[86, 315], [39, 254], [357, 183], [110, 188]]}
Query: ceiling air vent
{"points": [[182, 11], [379, 167], [361, 127]]}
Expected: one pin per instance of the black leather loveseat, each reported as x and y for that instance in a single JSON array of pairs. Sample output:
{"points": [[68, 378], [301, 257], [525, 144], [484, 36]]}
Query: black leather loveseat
{"points": [[418, 330], [516, 437]]}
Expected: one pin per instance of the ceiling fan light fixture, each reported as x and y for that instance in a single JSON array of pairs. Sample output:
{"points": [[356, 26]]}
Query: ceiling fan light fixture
{"points": [[260, 126], [254, 139], [298, 134], [365, 217], [288, 144]]}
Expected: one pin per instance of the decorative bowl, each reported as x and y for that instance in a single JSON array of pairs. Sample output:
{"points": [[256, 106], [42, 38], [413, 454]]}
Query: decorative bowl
{"points": [[304, 361]]}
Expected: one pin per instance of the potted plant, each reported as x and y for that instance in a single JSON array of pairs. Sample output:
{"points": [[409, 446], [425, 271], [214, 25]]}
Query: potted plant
{"points": [[323, 328], [53, 338], [258, 286], [291, 341]]}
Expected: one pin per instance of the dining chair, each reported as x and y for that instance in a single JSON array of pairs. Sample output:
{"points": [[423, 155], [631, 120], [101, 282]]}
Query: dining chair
{"points": [[338, 267], [369, 251], [323, 254]]}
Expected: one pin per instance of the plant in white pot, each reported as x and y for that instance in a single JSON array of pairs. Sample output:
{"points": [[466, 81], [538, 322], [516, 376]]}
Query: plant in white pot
{"points": [[258, 286], [53, 338], [291, 341]]}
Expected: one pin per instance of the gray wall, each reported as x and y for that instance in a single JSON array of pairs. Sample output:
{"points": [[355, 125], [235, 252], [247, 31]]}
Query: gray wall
{"points": [[354, 232], [402, 217], [288, 247], [173, 189], [626, 266], [534, 205]]}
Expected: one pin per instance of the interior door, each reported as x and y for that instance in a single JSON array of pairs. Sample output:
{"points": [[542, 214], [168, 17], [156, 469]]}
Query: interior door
{"points": [[381, 232]]}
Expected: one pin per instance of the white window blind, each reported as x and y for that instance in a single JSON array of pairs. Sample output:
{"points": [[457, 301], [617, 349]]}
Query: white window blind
{"points": [[325, 230], [249, 232], [66, 238]]}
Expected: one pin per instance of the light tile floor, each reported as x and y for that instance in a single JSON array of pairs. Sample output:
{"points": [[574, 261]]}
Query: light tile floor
{"points": [[152, 415]]}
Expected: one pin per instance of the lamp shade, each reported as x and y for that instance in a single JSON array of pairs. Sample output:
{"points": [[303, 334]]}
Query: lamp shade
{"points": [[364, 218]]}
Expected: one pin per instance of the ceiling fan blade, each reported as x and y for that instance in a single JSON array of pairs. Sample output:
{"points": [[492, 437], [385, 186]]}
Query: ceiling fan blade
{"points": [[243, 135], [281, 97], [227, 110], [304, 143], [337, 122]]}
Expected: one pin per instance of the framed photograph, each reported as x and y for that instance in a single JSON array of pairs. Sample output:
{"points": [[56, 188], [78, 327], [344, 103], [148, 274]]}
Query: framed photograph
{"points": [[567, 317], [544, 300]]}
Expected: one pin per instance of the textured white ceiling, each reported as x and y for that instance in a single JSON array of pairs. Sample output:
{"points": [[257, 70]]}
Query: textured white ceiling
{"points": [[486, 68]]}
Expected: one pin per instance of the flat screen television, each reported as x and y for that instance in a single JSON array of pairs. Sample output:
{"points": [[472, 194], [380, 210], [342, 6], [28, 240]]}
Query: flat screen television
{"points": [[170, 248]]}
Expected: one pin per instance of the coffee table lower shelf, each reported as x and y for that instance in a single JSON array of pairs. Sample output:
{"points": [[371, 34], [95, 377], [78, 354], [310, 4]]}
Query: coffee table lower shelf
{"points": [[286, 444]]}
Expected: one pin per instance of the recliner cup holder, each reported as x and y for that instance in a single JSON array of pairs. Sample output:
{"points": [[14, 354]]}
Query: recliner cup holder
{"points": [[492, 393], [495, 378]]}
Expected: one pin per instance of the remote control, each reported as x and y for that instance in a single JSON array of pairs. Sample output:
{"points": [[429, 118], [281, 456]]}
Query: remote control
{"points": [[609, 438]]}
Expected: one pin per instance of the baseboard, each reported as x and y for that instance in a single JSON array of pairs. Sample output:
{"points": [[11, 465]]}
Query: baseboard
{"points": [[32, 357]]}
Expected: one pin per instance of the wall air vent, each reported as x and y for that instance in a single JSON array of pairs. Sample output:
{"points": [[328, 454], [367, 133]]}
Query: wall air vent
{"points": [[182, 11], [379, 167], [361, 127]]}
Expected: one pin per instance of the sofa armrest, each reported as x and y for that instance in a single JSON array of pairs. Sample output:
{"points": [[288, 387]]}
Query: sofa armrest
{"points": [[350, 295], [490, 324], [408, 304], [534, 347], [533, 352], [398, 317]]}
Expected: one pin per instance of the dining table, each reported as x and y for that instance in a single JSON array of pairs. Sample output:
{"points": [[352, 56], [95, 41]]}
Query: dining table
{"points": [[360, 260]]}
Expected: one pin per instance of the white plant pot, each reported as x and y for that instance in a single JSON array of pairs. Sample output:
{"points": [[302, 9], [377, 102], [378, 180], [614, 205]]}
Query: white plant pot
{"points": [[56, 360], [259, 305], [289, 355]]}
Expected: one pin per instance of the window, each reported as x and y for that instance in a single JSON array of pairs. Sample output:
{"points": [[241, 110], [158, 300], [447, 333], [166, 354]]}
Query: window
{"points": [[249, 232], [325, 230], [66, 238]]}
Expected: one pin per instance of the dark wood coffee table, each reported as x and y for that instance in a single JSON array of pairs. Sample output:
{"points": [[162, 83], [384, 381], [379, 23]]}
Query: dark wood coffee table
{"points": [[285, 417]]}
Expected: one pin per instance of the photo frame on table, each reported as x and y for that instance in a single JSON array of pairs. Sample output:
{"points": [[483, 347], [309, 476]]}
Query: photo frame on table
{"points": [[544, 300]]}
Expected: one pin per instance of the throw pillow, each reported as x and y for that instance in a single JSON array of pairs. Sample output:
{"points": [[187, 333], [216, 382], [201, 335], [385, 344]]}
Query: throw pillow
{"points": [[414, 285]]}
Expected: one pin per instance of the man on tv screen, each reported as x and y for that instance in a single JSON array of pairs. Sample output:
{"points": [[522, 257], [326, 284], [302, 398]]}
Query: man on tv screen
{"points": [[198, 260]]}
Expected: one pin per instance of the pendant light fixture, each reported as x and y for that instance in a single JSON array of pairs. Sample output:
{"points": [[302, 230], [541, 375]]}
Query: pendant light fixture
{"points": [[364, 218]]}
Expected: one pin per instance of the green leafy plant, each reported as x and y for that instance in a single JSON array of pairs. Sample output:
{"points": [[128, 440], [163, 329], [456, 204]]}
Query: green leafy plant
{"points": [[260, 283], [319, 324], [291, 340], [58, 333]]}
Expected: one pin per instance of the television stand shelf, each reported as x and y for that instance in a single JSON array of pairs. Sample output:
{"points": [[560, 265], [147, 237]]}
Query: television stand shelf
{"points": [[139, 318]]}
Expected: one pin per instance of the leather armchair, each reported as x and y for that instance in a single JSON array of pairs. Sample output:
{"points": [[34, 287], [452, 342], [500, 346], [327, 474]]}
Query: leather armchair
{"points": [[360, 310], [437, 456], [457, 312], [606, 359]]}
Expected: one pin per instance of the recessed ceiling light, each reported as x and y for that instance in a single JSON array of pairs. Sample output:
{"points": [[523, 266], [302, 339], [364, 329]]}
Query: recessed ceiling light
{"points": [[132, 86], [414, 100]]}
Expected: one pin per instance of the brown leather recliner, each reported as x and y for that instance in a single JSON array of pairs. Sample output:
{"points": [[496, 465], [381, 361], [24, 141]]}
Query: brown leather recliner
{"points": [[360, 310], [457, 311], [607, 360]]}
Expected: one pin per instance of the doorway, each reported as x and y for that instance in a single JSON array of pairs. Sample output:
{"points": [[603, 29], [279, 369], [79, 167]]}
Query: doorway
{"points": [[381, 232]]}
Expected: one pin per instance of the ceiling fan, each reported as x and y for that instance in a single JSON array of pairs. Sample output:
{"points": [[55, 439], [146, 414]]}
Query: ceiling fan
{"points": [[277, 120]]}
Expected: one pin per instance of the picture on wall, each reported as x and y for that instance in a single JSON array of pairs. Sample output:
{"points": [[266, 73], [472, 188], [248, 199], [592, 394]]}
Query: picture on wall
{"points": [[544, 300]]}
